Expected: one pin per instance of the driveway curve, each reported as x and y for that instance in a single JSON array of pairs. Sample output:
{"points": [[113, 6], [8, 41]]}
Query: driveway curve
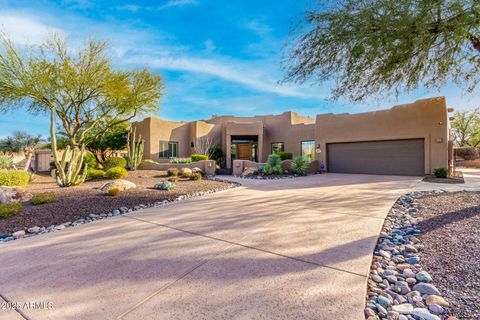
{"points": [[281, 249]]}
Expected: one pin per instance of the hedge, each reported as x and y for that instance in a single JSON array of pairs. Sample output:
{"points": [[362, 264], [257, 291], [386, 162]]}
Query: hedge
{"points": [[116, 173], [285, 155], [14, 178], [198, 157], [114, 162]]}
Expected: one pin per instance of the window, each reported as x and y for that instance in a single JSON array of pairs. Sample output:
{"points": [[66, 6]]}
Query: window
{"points": [[278, 147], [168, 149], [308, 149]]}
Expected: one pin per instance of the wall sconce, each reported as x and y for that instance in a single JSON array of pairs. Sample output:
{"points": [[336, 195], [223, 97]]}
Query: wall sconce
{"points": [[319, 149], [192, 144], [209, 164], [439, 140]]}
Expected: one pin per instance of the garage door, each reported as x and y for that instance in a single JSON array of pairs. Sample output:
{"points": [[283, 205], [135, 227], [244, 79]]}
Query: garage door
{"points": [[393, 157]]}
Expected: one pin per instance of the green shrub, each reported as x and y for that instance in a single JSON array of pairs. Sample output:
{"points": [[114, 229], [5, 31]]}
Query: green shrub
{"points": [[164, 185], [114, 192], [274, 160], [114, 162], [116, 173], [285, 155], [215, 152], [10, 209], [95, 174], [173, 172], [13, 178], [90, 160], [198, 157], [196, 176], [46, 197], [300, 165], [440, 172], [269, 169], [6, 162], [181, 160]]}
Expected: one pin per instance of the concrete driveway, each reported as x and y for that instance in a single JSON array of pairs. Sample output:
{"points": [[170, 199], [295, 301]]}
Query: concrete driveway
{"points": [[283, 249]]}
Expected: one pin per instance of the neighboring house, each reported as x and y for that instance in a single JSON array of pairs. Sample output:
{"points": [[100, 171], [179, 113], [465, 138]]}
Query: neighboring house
{"points": [[410, 139]]}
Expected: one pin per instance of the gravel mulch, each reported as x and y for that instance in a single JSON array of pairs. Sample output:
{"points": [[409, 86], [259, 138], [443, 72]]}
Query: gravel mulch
{"points": [[79, 201], [449, 227]]}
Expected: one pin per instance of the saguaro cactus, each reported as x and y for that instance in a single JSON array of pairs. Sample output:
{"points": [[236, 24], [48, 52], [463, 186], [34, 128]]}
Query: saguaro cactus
{"points": [[135, 149]]}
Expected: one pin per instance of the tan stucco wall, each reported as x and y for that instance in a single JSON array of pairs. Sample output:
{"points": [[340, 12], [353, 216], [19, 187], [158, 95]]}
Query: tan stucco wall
{"points": [[155, 130], [425, 118]]}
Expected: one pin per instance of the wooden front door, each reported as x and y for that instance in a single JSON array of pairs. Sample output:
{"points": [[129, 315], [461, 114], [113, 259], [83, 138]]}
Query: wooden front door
{"points": [[244, 151]]}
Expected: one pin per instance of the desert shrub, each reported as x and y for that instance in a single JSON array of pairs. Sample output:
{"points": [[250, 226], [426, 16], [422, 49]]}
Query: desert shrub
{"points": [[6, 162], [196, 176], [300, 165], [116, 173], [10, 209], [198, 157], [13, 178], [46, 197], [285, 155], [114, 192], [269, 169], [440, 172], [173, 172], [274, 160], [181, 160], [95, 174], [114, 162], [467, 153], [164, 185], [215, 152], [90, 160]]}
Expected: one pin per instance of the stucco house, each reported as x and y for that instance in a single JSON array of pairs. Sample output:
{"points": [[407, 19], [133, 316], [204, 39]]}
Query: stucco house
{"points": [[410, 139]]}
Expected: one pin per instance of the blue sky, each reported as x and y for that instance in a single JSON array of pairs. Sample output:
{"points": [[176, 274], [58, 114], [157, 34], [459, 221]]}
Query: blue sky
{"points": [[215, 57]]}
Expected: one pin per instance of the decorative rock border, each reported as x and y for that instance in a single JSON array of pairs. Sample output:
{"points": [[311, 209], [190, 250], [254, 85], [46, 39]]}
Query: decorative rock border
{"points": [[398, 288], [273, 177], [33, 231]]}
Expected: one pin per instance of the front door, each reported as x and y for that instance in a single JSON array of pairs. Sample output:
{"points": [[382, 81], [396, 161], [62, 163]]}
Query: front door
{"points": [[244, 151]]}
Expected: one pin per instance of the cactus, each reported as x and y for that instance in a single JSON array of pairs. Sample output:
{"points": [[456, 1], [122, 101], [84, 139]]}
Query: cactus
{"points": [[135, 149], [72, 172]]}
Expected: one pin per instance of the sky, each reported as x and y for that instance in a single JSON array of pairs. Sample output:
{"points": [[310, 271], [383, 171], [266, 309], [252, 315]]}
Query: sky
{"points": [[215, 57]]}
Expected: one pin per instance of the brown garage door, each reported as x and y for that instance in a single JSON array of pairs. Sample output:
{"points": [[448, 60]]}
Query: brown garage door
{"points": [[393, 157]]}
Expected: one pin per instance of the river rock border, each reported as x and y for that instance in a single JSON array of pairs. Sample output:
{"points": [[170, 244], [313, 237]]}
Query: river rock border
{"points": [[398, 288], [33, 231]]}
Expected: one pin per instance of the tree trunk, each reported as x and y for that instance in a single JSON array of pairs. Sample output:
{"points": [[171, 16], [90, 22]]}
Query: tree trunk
{"points": [[28, 161]]}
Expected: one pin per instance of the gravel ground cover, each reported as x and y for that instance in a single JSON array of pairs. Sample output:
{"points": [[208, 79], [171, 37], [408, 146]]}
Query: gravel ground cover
{"points": [[449, 227], [80, 201], [426, 263]]}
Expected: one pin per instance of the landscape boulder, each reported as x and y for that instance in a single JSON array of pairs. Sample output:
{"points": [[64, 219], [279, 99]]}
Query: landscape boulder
{"points": [[119, 184], [186, 172], [313, 167], [14, 194], [197, 170], [287, 165], [249, 171]]}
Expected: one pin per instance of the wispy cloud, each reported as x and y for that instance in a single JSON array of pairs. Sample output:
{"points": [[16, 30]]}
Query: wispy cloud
{"points": [[177, 3], [236, 71], [25, 30]]}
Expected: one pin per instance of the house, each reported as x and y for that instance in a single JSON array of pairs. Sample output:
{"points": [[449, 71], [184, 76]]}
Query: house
{"points": [[410, 139]]}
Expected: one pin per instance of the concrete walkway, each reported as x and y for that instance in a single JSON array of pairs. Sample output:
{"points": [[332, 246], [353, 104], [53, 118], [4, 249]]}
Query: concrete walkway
{"points": [[283, 249]]}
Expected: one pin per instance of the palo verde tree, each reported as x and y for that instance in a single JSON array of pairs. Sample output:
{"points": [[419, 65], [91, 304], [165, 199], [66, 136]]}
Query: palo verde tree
{"points": [[372, 47], [466, 128], [79, 89]]}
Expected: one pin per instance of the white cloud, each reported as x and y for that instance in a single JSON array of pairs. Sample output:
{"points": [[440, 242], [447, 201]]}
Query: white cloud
{"points": [[25, 30], [129, 7], [258, 27], [177, 3], [247, 75]]}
